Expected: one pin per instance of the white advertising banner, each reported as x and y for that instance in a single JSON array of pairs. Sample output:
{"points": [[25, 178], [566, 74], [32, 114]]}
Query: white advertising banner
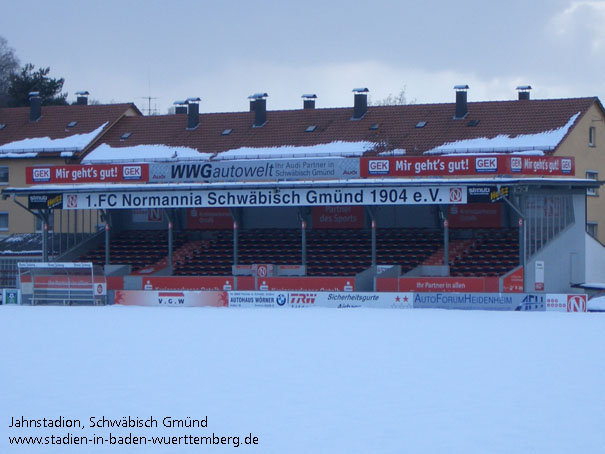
{"points": [[563, 302], [388, 195], [255, 170], [303, 299]]}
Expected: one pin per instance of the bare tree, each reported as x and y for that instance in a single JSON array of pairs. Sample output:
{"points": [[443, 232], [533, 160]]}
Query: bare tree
{"points": [[9, 64], [393, 100]]}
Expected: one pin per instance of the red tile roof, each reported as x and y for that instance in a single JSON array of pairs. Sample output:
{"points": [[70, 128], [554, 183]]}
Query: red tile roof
{"points": [[396, 125], [54, 120]]}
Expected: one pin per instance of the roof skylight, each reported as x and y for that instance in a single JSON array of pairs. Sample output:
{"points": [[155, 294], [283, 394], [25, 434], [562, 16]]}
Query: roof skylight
{"points": [[125, 136], [421, 124], [2, 126], [472, 123], [71, 124], [226, 132], [373, 127], [311, 128]]}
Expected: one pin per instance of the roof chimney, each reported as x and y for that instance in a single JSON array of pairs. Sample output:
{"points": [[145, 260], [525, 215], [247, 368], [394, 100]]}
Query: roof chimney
{"points": [[180, 107], [461, 107], [258, 105], [309, 101], [523, 92], [82, 99], [361, 103], [35, 111], [193, 114]]}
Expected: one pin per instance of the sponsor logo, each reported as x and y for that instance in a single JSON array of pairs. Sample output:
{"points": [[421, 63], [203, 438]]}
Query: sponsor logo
{"points": [[261, 270], [72, 201], [378, 167], [281, 299], [566, 165], [576, 303], [171, 298], [516, 164], [41, 174], [455, 194], [486, 164], [132, 172], [302, 298], [479, 191]]}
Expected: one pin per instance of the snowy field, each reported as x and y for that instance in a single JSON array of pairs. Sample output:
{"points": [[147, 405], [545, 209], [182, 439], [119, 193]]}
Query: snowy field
{"points": [[307, 381]]}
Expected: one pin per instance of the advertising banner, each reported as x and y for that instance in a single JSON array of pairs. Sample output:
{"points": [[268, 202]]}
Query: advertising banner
{"points": [[513, 282], [171, 298], [299, 300], [98, 173], [342, 284], [448, 284], [480, 301], [427, 166], [255, 170], [475, 216], [44, 201], [209, 219], [338, 217], [187, 283], [565, 302], [389, 195]]}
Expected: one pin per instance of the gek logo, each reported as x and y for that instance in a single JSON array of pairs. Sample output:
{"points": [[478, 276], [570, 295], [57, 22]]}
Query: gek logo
{"points": [[486, 164], [302, 298], [41, 174], [516, 164], [566, 165], [378, 167], [576, 303], [455, 194], [132, 172]]}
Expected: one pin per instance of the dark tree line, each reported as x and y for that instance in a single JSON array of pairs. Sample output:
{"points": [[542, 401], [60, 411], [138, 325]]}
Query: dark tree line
{"points": [[16, 82]]}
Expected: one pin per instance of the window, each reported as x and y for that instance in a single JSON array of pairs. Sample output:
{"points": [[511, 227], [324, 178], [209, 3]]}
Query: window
{"points": [[3, 175], [592, 136], [3, 221], [592, 175], [592, 228]]}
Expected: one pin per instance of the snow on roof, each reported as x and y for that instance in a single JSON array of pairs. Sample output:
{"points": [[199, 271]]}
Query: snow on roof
{"points": [[546, 140], [75, 142], [147, 153], [143, 153], [321, 150]]}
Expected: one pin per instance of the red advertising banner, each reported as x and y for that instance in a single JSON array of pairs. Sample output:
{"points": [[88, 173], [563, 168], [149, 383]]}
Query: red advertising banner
{"points": [[449, 284], [475, 215], [425, 166], [209, 219], [338, 217], [513, 282], [98, 173], [188, 283], [343, 284]]}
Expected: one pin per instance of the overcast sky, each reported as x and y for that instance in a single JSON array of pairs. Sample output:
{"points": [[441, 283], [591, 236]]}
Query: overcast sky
{"points": [[223, 51]]}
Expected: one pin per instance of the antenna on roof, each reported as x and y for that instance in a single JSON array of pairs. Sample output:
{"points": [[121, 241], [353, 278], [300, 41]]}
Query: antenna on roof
{"points": [[149, 110]]}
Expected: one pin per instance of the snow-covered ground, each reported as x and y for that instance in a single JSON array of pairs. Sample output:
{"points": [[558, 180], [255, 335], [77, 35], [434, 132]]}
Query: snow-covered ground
{"points": [[310, 380]]}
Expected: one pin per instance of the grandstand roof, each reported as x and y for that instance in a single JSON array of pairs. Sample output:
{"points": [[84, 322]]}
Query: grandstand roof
{"points": [[415, 129], [60, 131]]}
